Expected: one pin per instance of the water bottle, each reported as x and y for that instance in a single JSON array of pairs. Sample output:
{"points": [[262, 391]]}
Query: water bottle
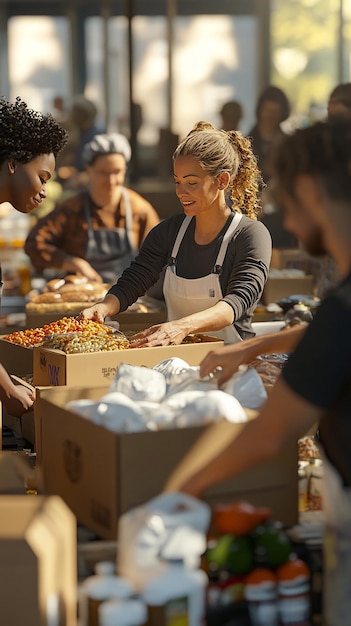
{"points": [[104, 585], [176, 595], [131, 612]]}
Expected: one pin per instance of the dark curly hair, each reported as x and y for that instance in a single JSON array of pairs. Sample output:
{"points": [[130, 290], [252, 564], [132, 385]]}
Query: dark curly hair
{"points": [[26, 134], [323, 151], [226, 151]]}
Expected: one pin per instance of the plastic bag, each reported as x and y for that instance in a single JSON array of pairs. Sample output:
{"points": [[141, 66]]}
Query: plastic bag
{"points": [[172, 524], [247, 387]]}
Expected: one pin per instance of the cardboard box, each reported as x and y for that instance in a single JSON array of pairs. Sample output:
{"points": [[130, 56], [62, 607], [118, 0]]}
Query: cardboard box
{"points": [[38, 561], [23, 426], [15, 358], [291, 258], [15, 472], [101, 475], [54, 367], [277, 288]]}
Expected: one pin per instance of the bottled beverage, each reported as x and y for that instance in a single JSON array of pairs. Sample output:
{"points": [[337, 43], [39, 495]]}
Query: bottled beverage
{"points": [[315, 473], [104, 585], [303, 486], [131, 612], [260, 592], [294, 593], [176, 595]]}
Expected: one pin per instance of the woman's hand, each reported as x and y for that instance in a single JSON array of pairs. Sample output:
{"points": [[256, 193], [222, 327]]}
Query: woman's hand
{"points": [[99, 311], [20, 400], [77, 265], [167, 334]]}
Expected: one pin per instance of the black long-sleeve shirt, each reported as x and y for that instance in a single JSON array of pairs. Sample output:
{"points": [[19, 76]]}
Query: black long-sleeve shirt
{"points": [[244, 272]]}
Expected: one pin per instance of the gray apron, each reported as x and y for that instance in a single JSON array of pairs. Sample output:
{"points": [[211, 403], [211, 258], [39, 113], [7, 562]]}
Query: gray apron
{"points": [[110, 250], [186, 296]]}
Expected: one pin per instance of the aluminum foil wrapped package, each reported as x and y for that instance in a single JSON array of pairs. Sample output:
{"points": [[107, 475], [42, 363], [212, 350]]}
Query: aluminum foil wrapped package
{"points": [[139, 383], [173, 370], [192, 408]]}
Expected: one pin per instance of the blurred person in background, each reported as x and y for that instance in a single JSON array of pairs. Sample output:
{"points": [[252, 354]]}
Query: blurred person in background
{"points": [[216, 257], [82, 127], [272, 109], [98, 231], [312, 171], [231, 114], [30, 143], [339, 103]]}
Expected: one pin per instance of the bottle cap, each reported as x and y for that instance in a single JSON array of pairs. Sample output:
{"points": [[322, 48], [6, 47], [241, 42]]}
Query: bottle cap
{"points": [[105, 568]]}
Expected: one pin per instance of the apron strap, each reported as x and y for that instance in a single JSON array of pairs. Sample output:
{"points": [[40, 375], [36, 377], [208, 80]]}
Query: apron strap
{"points": [[128, 217], [225, 242], [86, 206], [224, 245], [185, 223]]}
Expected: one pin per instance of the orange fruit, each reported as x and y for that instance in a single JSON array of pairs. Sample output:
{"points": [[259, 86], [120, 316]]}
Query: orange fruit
{"points": [[239, 518]]}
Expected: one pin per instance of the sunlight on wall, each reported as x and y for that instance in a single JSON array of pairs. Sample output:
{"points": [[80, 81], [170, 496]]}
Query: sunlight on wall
{"points": [[38, 61], [214, 60], [209, 62]]}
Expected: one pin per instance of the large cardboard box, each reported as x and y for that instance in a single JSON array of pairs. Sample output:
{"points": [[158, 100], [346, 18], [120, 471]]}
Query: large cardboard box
{"points": [[23, 426], [38, 561], [278, 287], [15, 358], [101, 475], [54, 367]]}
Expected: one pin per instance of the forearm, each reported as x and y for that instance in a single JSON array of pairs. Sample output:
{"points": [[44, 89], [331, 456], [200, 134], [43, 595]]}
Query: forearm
{"points": [[110, 305], [44, 255], [7, 387], [215, 318], [284, 418], [240, 454], [281, 341]]}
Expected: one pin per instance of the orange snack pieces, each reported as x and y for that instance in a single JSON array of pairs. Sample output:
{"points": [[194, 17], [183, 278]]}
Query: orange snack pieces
{"points": [[34, 336]]}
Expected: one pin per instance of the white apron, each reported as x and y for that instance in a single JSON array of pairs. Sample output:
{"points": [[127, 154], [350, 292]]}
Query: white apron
{"points": [[185, 296]]}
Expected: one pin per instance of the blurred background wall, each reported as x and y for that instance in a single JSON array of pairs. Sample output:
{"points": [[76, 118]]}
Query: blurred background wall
{"points": [[155, 67]]}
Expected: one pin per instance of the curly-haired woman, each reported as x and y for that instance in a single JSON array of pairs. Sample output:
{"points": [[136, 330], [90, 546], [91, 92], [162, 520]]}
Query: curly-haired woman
{"points": [[216, 258], [30, 142]]}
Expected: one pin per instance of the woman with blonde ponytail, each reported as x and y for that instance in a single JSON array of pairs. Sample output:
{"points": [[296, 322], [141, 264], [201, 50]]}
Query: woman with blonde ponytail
{"points": [[216, 258]]}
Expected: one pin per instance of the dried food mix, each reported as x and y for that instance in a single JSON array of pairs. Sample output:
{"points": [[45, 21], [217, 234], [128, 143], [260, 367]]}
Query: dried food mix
{"points": [[31, 337], [84, 341]]}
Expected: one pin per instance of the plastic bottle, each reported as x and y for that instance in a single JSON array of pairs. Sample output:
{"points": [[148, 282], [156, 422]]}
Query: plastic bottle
{"points": [[122, 613], [315, 488], [303, 486], [297, 314], [104, 585], [176, 596], [260, 592], [294, 593], [24, 271]]}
